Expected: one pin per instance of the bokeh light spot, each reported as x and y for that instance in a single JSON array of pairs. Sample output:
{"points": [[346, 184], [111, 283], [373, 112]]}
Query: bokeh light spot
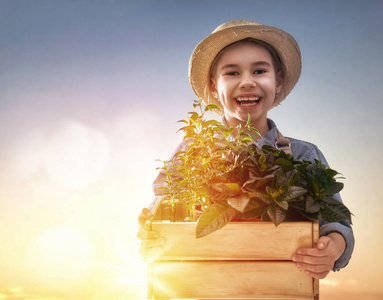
{"points": [[76, 155]]}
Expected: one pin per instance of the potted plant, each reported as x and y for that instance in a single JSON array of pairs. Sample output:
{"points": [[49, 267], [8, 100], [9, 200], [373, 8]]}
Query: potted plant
{"points": [[223, 177]]}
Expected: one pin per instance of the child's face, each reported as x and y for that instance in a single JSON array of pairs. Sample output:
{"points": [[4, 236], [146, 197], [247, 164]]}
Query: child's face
{"points": [[245, 82]]}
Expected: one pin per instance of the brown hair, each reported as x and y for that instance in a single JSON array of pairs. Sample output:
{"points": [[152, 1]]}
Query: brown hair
{"points": [[277, 64]]}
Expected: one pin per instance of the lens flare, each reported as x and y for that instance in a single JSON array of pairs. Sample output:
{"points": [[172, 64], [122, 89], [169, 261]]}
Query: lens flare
{"points": [[77, 156], [59, 256]]}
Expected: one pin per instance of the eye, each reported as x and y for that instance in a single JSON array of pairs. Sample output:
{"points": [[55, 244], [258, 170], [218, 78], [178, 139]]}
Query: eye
{"points": [[260, 71], [232, 73]]}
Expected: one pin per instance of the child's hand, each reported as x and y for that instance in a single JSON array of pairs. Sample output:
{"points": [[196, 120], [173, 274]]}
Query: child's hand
{"points": [[150, 242], [319, 261]]}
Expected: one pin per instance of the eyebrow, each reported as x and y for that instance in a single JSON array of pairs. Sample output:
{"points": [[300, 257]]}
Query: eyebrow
{"points": [[255, 64]]}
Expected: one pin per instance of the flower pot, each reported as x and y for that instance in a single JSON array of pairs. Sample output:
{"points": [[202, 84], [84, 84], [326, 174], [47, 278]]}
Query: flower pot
{"points": [[243, 260]]}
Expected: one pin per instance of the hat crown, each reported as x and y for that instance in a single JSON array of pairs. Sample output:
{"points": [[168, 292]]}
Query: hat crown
{"points": [[235, 23]]}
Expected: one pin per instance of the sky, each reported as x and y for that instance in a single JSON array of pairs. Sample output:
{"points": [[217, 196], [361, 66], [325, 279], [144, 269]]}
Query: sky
{"points": [[90, 96]]}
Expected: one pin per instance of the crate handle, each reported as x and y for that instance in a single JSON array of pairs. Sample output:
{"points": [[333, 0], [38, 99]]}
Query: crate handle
{"points": [[157, 204]]}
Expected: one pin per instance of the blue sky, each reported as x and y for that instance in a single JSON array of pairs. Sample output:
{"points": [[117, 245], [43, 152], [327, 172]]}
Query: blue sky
{"points": [[115, 73]]}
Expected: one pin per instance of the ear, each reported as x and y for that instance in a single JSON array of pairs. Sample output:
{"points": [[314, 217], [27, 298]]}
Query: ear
{"points": [[213, 88], [279, 82]]}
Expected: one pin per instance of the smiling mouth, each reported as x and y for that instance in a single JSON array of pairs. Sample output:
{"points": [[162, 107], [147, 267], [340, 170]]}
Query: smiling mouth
{"points": [[247, 101]]}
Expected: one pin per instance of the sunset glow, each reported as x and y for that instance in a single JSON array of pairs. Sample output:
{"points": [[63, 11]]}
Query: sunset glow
{"points": [[90, 96]]}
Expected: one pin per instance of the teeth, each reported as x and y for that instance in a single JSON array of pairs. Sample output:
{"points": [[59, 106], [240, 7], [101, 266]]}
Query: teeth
{"points": [[247, 99]]}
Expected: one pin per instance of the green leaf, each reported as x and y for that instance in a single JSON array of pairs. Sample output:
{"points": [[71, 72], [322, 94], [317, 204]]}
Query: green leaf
{"points": [[312, 206], [246, 140], [335, 188], [276, 213], [264, 197], [211, 107], [255, 130], [248, 119], [249, 135], [186, 128], [193, 116], [285, 164], [330, 172], [253, 213], [239, 203], [335, 212], [262, 159], [253, 136], [213, 218], [229, 189], [254, 203], [179, 153], [210, 122], [294, 192], [283, 204], [221, 127]]}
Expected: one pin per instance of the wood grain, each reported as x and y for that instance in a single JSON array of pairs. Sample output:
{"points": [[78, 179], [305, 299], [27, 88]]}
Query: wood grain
{"points": [[235, 241], [230, 280]]}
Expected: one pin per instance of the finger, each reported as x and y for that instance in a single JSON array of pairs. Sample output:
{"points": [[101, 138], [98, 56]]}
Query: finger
{"points": [[320, 275], [141, 219], [147, 213], [150, 243], [147, 234], [309, 252], [313, 268], [323, 242], [311, 260]]}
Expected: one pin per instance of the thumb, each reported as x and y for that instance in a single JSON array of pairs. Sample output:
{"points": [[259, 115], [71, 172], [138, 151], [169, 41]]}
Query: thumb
{"points": [[323, 242], [147, 213]]}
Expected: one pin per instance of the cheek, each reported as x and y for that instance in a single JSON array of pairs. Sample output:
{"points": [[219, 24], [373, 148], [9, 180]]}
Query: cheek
{"points": [[224, 86], [219, 88], [272, 86]]}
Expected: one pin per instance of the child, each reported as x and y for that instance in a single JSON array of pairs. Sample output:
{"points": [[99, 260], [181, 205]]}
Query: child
{"points": [[248, 68]]}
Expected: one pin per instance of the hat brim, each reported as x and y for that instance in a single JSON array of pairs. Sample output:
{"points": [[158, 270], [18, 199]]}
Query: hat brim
{"points": [[205, 52]]}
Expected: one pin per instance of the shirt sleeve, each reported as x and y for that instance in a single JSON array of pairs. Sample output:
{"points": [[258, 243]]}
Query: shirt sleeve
{"points": [[343, 227]]}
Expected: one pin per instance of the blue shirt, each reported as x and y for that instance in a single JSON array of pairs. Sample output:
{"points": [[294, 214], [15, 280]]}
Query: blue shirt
{"points": [[302, 150]]}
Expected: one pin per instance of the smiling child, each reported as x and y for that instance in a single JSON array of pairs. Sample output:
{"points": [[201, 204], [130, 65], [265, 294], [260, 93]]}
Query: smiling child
{"points": [[248, 68]]}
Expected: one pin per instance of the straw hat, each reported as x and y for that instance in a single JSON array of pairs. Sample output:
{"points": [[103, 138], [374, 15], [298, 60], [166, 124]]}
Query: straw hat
{"points": [[230, 32]]}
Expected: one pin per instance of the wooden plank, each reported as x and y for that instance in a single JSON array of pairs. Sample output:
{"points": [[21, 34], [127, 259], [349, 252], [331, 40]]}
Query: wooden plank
{"points": [[315, 240], [235, 241], [232, 263], [230, 280]]}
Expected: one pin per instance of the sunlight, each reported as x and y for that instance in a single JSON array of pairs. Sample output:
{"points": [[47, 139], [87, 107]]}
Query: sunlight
{"points": [[25, 162], [60, 255], [329, 282], [160, 286], [21, 294], [76, 155]]}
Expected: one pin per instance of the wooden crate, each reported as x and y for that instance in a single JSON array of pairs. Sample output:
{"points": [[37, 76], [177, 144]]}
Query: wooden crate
{"points": [[243, 260]]}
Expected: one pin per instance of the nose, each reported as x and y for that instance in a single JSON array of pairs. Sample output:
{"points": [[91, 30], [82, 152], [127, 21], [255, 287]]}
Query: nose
{"points": [[247, 81]]}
